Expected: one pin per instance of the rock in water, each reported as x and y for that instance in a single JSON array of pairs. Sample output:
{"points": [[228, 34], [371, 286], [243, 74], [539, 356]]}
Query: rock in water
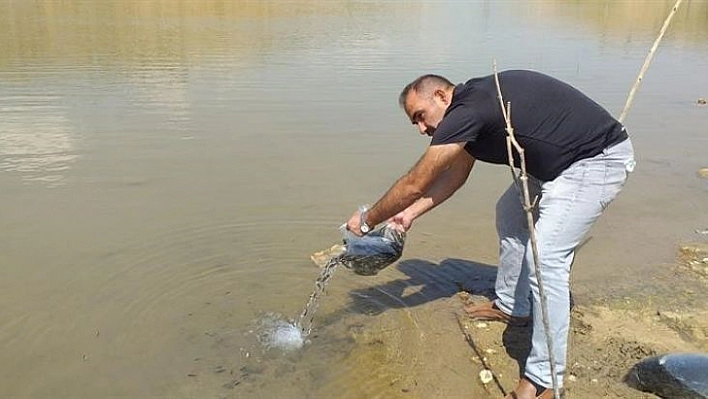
{"points": [[676, 375]]}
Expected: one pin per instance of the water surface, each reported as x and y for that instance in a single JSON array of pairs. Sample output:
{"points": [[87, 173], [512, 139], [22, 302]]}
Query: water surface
{"points": [[167, 168]]}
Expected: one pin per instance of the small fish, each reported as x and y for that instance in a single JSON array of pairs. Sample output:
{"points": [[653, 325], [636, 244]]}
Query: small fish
{"points": [[702, 232]]}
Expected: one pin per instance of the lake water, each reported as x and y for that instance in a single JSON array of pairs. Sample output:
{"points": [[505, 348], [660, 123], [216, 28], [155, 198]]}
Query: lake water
{"points": [[167, 167]]}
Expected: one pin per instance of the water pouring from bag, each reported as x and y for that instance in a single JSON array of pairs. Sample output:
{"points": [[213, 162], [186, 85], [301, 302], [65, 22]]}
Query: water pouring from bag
{"points": [[370, 254], [365, 256]]}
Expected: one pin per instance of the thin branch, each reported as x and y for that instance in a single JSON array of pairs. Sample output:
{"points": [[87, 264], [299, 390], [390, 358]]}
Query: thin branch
{"points": [[480, 356], [526, 202], [647, 61], [510, 136]]}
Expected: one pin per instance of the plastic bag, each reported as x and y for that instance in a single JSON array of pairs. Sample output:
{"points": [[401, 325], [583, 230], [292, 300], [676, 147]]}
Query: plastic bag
{"points": [[373, 252], [674, 375]]}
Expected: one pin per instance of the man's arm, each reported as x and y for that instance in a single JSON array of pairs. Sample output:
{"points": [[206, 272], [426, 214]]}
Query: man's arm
{"points": [[437, 161], [439, 192]]}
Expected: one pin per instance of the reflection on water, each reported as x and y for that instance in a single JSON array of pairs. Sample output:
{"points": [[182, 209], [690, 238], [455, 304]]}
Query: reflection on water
{"points": [[629, 20], [36, 137], [199, 151], [139, 31]]}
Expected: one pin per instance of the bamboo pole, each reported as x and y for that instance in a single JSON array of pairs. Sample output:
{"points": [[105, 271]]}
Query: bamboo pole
{"points": [[647, 61], [528, 208]]}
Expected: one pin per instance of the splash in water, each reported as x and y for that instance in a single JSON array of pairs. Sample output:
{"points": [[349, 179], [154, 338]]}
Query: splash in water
{"points": [[275, 331]]}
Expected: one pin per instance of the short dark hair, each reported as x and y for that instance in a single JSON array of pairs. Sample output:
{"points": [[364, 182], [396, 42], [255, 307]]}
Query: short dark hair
{"points": [[425, 83]]}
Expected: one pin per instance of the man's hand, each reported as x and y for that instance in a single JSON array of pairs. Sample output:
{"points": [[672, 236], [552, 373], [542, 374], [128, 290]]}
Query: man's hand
{"points": [[402, 221], [354, 224]]}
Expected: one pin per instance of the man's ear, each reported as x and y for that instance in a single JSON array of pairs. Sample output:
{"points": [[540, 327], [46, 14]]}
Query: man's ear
{"points": [[441, 95]]}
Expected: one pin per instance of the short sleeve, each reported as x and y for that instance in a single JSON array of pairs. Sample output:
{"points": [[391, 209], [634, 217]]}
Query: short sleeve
{"points": [[460, 124]]}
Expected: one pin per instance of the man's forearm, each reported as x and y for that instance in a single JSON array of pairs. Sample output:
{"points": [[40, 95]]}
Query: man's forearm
{"points": [[402, 195], [441, 190], [437, 161]]}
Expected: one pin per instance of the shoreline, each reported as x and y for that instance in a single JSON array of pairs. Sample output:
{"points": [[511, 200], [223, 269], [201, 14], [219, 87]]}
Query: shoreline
{"points": [[435, 351]]}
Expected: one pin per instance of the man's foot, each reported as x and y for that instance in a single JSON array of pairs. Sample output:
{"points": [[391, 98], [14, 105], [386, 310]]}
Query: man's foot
{"points": [[489, 311], [528, 390]]}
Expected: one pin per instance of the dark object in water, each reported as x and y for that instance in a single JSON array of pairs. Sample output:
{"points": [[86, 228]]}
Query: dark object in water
{"points": [[677, 375], [371, 253]]}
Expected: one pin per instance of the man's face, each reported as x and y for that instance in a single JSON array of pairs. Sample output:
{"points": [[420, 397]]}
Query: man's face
{"points": [[426, 112]]}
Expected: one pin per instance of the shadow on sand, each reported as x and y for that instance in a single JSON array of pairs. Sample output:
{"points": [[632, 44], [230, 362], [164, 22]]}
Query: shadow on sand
{"points": [[426, 281]]}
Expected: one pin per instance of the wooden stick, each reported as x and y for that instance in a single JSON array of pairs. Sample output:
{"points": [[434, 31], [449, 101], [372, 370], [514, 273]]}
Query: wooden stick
{"points": [[647, 61], [528, 207], [480, 356]]}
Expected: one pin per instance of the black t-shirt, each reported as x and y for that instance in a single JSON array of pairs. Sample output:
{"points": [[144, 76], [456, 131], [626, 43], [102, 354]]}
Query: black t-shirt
{"points": [[555, 123]]}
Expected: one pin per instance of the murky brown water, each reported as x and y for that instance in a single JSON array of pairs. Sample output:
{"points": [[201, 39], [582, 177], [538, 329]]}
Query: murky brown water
{"points": [[167, 167]]}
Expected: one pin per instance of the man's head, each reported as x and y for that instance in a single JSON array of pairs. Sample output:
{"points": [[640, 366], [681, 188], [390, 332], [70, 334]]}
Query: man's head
{"points": [[425, 101]]}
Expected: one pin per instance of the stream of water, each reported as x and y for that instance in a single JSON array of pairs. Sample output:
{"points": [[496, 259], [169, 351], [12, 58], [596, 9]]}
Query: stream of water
{"points": [[304, 322]]}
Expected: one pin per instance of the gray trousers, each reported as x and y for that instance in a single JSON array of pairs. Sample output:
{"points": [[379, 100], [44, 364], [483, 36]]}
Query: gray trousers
{"points": [[567, 208]]}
